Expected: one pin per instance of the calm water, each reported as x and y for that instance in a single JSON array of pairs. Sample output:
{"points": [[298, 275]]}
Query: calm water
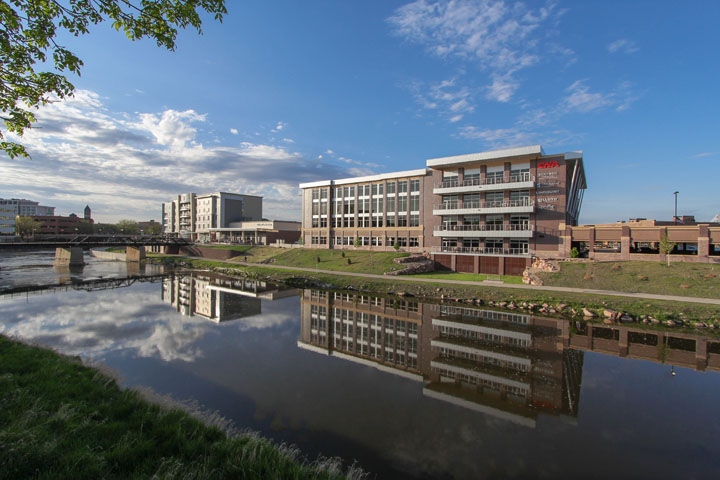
{"points": [[408, 390]]}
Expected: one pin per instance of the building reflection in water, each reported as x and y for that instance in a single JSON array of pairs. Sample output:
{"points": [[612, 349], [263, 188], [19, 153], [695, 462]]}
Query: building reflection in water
{"points": [[508, 365], [218, 298]]}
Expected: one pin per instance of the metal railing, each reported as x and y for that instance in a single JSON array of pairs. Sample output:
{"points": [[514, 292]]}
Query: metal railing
{"points": [[503, 227], [477, 182], [524, 202], [506, 252]]}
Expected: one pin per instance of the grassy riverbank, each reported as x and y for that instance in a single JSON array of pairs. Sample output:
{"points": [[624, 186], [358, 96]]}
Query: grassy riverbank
{"points": [[60, 419], [679, 279]]}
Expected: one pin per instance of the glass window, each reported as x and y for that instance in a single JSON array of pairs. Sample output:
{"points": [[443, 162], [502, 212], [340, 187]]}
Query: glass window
{"points": [[391, 187], [493, 199]]}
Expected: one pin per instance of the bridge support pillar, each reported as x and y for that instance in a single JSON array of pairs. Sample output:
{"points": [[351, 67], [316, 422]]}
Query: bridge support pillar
{"points": [[69, 256], [134, 254]]}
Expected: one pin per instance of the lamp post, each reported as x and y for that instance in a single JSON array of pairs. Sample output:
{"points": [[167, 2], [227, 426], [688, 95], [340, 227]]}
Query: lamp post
{"points": [[675, 217]]}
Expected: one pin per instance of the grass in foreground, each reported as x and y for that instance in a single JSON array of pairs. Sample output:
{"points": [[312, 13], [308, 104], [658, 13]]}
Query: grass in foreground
{"points": [[60, 419]]}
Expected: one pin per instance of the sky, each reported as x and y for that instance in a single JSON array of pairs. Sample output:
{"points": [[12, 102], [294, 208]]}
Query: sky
{"points": [[285, 92]]}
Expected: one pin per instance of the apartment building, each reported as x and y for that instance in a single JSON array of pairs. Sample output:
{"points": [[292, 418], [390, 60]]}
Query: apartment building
{"points": [[487, 212], [195, 216], [13, 207]]}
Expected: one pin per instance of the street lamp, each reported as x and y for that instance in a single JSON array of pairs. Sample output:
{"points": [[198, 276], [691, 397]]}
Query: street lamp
{"points": [[675, 218]]}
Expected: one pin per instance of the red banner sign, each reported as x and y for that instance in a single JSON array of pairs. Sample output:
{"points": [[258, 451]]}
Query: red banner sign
{"points": [[552, 164]]}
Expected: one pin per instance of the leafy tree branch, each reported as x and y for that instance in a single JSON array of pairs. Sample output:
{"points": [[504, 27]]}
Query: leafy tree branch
{"points": [[28, 36]]}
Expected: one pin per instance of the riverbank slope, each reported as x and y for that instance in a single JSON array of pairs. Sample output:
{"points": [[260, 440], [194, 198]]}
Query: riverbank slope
{"points": [[61, 419]]}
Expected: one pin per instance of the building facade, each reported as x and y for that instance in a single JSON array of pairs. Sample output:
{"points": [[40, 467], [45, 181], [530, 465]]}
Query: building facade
{"points": [[487, 212], [194, 216], [14, 207]]}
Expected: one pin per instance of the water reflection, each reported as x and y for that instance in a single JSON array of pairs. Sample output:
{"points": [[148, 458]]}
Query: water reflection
{"points": [[508, 365], [454, 391], [219, 298]]}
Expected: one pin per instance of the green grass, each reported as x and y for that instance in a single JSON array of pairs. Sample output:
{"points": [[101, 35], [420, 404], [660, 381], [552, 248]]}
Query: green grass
{"points": [[234, 248], [360, 261], [470, 277], [679, 279], [60, 419], [684, 279]]}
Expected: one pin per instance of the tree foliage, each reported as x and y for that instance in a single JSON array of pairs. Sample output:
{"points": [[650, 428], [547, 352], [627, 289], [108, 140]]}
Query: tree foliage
{"points": [[28, 41], [666, 246], [26, 226], [130, 227]]}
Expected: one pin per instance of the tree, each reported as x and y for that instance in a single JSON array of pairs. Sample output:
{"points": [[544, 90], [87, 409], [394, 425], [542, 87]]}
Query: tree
{"points": [[28, 36], [26, 226], [129, 227], [666, 246]]}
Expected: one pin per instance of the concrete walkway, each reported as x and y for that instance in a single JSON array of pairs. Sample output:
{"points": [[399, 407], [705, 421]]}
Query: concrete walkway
{"points": [[496, 284]]}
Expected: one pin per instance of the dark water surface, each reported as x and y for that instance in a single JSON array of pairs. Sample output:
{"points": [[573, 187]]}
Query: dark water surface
{"points": [[406, 389]]}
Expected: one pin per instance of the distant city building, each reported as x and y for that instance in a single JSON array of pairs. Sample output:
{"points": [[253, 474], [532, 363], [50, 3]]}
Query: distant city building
{"points": [[487, 212], [264, 232], [14, 207], [194, 216], [61, 225]]}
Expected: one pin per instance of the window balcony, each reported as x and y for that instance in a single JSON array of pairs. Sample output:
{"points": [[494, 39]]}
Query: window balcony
{"points": [[525, 205], [484, 251], [489, 184], [505, 230]]}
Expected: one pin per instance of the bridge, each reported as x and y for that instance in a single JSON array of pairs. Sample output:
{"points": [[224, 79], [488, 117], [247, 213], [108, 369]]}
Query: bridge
{"points": [[87, 285], [69, 248]]}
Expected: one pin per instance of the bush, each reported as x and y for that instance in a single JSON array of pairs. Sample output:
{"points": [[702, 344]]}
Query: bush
{"points": [[574, 252]]}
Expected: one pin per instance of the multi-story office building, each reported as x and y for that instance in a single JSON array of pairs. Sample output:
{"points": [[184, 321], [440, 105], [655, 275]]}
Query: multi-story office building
{"points": [[486, 212], [195, 216], [14, 207]]}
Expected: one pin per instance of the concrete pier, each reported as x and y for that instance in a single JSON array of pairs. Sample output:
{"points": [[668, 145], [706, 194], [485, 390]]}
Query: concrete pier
{"points": [[72, 256], [134, 254]]}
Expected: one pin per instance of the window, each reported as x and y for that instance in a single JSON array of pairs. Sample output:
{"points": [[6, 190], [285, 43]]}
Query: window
{"points": [[520, 174], [450, 201], [414, 220], [391, 204], [415, 203], [519, 247], [390, 187], [402, 204], [390, 220], [414, 242], [495, 220], [402, 220], [471, 200], [471, 220], [520, 197], [449, 222], [415, 185], [495, 177], [402, 186], [493, 199], [494, 245]]}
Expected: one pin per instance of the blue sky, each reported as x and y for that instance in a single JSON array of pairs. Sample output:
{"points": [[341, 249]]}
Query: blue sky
{"points": [[285, 92]]}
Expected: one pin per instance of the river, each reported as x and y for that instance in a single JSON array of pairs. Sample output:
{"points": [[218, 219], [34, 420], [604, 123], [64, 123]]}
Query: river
{"points": [[405, 389]]}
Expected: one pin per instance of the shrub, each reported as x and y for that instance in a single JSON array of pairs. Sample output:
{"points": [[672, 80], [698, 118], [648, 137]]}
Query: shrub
{"points": [[574, 252]]}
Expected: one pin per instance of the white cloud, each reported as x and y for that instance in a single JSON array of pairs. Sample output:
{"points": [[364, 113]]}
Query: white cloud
{"points": [[498, 36], [234, 131], [125, 165], [623, 45], [581, 99], [171, 128]]}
